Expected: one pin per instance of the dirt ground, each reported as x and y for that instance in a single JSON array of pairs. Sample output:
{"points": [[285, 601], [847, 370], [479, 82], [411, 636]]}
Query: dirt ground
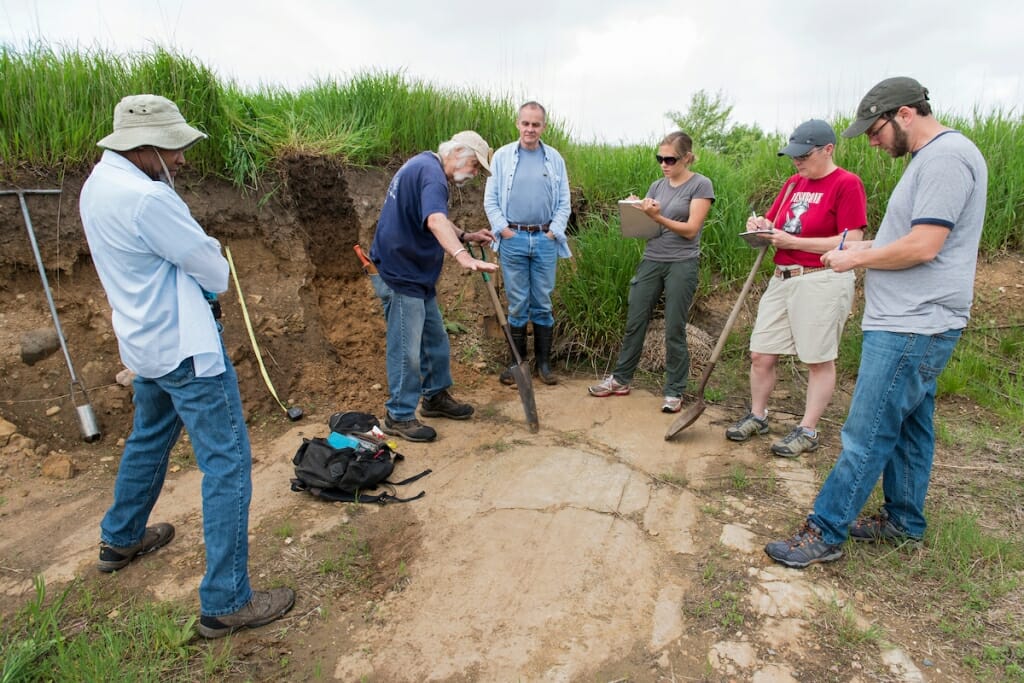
{"points": [[592, 550]]}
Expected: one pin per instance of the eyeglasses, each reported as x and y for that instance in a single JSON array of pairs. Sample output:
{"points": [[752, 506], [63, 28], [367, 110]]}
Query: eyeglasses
{"points": [[668, 161], [874, 133], [805, 157]]}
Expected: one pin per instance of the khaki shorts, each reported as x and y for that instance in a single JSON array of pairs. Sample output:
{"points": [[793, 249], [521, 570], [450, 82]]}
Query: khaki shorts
{"points": [[804, 315]]}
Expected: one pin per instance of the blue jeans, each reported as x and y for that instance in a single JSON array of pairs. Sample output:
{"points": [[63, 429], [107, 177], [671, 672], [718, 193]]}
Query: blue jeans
{"points": [[888, 433], [529, 262], [417, 357], [210, 408]]}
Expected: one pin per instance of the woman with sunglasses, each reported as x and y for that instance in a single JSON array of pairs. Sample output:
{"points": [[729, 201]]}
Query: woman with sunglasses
{"points": [[804, 309], [679, 202]]}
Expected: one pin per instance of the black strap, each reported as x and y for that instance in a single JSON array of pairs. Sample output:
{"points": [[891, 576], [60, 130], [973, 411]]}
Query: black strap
{"points": [[337, 495], [410, 479]]}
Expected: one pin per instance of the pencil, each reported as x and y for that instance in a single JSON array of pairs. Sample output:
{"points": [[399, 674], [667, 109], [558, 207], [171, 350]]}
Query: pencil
{"points": [[842, 240]]}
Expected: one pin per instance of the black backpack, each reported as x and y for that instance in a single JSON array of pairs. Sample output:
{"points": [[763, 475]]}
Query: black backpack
{"points": [[344, 474]]}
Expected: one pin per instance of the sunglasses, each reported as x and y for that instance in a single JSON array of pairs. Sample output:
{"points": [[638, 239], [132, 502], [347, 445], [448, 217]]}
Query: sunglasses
{"points": [[668, 161]]}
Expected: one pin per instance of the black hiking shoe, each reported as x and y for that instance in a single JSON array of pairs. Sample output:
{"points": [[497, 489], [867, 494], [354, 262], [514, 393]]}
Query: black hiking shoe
{"points": [[263, 608], [156, 536], [410, 430], [442, 404]]}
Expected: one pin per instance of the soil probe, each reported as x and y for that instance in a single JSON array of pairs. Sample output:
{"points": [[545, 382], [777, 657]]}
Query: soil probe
{"points": [[86, 415], [294, 413]]}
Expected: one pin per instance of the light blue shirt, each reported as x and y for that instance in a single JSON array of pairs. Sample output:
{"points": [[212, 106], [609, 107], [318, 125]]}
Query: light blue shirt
{"points": [[154, 261], [499, 185]]}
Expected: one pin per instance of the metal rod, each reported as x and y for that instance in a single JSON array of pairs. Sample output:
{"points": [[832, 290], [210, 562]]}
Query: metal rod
{"points": [[42, 272]]}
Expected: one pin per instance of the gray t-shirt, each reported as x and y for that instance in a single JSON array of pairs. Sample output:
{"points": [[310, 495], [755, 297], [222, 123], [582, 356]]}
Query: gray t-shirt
{"points": [[944, 184], [675, 205]]}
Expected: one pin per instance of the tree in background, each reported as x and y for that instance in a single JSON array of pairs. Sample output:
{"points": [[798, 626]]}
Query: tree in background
{"points": [[707, 122]]}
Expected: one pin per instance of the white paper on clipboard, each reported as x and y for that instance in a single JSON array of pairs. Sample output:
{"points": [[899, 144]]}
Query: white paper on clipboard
{"points": [[636, 223]]}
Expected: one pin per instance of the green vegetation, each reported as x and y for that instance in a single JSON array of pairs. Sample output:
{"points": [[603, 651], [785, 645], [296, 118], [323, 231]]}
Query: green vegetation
{"points": [[72, 638]]}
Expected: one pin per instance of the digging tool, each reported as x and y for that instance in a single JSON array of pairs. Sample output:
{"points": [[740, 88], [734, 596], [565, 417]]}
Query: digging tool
{"points": [[691, 414], [368, 266], [86, 416], [696, 410], [294, 413], [520, 369]]}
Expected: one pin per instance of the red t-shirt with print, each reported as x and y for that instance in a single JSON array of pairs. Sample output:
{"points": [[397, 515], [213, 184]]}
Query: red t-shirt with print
{"points": [[822, 207]]}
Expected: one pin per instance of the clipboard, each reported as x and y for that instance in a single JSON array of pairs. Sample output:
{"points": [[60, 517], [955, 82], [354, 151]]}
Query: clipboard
{"points": [[755, 238], [636, 223]]}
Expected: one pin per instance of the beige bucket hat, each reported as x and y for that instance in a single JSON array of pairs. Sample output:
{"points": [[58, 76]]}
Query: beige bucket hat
{"points": [[141, 120]]}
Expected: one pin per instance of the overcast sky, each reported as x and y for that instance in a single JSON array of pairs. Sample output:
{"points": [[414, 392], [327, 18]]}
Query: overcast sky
{"points": [[608, 70]]}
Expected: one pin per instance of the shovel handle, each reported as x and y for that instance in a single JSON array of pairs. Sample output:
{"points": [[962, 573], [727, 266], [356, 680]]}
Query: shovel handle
{"points": [[367, 264]]}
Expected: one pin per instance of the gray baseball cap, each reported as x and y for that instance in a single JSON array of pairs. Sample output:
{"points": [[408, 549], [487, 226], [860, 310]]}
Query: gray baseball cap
{"points": [[807, 136], [890, 94]]}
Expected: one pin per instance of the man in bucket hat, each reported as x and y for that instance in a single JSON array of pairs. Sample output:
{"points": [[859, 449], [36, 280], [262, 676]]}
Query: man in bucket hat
{"points": [[413, 235], [918, 287], [159, 268]]}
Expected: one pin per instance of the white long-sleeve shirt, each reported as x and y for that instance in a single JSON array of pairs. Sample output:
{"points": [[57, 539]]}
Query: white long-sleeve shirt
{"points": [[154, 261]]}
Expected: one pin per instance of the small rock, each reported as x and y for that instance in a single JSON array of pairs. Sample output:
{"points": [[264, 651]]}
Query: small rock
{"points": [[38, 344], [58, 466], [7, 430], [52, 410], [174, 468], [376, 386], [120, 442], [107, 458], [928, 662]]}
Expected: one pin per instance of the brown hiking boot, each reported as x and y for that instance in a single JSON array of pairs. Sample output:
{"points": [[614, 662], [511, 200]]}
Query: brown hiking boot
{"points": [[263, 608], [410, 430], [156, 536], [442, 404]]}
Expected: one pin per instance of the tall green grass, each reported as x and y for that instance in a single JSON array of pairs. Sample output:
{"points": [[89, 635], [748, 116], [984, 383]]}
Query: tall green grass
{"points": [[56, 103]]}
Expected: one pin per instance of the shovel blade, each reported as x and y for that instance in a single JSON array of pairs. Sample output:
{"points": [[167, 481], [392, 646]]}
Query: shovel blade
{"points": [[685, 419], [524, 382]]}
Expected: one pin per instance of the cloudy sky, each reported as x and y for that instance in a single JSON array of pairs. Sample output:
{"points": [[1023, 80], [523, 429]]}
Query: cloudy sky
{"points": [[609, 70]]}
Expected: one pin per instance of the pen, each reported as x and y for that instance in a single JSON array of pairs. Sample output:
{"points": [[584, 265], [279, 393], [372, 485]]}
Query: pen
{"points": [[842, 240]]}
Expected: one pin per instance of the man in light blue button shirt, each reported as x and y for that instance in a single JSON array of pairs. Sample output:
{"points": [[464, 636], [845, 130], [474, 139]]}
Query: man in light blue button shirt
{"points": [[158, 268], [527, 205]]}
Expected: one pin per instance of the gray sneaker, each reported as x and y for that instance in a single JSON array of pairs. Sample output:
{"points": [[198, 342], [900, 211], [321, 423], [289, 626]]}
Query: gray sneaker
{"points": [[804, 548], [113, 559], [795, 443], [879, 528], [747, 427], [263, 608]]}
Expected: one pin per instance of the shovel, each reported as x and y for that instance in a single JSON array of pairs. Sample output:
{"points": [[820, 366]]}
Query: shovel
{"points": [[691, 414], [520, 369]]}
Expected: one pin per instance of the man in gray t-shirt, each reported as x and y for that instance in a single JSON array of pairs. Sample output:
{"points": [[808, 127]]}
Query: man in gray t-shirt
{"points": [[918, 287]]}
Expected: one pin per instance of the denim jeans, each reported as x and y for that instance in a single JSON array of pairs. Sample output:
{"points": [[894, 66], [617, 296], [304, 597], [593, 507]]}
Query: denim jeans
{"points": [[678, 279], [417, 357], [529, 263], [210, 408], [888, 433]]}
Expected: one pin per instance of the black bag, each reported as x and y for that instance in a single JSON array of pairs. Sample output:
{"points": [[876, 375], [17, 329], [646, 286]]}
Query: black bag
{"points": [[344, 474]]}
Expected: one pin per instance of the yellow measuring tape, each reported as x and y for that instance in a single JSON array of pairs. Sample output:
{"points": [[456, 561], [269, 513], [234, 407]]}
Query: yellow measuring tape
{"points": [[293, 413]]}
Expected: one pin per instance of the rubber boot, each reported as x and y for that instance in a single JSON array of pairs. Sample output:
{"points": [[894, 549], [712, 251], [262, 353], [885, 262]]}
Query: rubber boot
{"points": [[519, 339], [542, 352]]}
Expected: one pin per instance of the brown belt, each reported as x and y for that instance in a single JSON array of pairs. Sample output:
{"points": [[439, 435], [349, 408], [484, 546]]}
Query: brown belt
{"points": [[786, 273], [530, 228]]}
